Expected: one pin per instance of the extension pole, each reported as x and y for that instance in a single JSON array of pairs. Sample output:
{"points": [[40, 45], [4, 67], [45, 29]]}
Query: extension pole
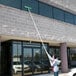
{"points": [[29, 8]]}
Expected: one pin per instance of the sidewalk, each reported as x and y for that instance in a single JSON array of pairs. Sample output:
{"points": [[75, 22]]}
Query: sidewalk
{"points": [[63, 74], [51, 74]]}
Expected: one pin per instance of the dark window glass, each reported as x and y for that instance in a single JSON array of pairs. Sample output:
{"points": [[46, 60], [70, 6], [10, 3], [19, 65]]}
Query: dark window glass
{"points": [[45, 9], [44, 56], [16, 59], [45, 61], [30, 3], [12, 3], [42, 9], [54, 50], [75, 19], [17, 42], [58, 14], [69, 17], [16, 50]]}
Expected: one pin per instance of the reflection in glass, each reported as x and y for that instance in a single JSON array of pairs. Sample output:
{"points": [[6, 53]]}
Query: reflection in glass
{"points": [[69, 17], [45, 61], [27, 61], [58, 14], [45, 10], [55, 51], [17, 66], [31, 3], [73, 57], [36, 61]]}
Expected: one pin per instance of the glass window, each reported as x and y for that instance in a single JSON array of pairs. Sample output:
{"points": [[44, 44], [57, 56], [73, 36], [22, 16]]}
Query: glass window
{"points": [[75, 19], [31, 44], [51, 51], [69, 17], [58, 14], [55, 50], [12, 3], [16, 50], [44, 55], [45, 9], [30, 3], [17, 59], [45, 61], [28, 61], [16, 42]]}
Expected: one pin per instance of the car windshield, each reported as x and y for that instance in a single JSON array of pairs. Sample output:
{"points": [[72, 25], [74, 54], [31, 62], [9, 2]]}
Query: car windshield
{"points": [[27, 62], [16, 63]]}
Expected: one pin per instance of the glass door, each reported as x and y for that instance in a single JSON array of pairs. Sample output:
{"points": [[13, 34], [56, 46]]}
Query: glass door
{"points": [[37, 60], [27, 61], [16, 60], [31, 61]]}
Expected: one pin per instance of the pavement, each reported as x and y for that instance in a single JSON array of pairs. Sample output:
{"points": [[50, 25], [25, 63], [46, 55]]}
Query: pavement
{"points": [[51, 74]]}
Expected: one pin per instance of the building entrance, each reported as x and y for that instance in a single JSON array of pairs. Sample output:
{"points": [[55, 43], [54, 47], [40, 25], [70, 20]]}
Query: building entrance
{"points": [[31, 61], [29, 58]]}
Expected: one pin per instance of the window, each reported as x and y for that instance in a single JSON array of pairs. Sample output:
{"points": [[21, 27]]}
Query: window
{"points": [[75, 19], [17, 58], [12, 3], [42, 9], [44, 55], [58, 14], [30, 3], [69, 17], [54, 50], [16, 50], [45, 9]]}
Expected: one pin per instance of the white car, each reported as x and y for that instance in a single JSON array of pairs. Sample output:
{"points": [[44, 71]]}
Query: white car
{"points": [[72, 72], [17, 67]]}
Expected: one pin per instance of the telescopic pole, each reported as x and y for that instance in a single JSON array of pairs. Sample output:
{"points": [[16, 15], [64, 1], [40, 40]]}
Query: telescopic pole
{"points": [[29, 8]]}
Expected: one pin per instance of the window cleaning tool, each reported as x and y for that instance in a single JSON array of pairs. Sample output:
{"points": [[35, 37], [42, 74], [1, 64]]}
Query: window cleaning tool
{"points": [[29, 8]]}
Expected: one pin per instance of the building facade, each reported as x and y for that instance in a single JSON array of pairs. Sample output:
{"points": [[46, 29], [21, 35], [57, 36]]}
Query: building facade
{"points": [[21, 50]]}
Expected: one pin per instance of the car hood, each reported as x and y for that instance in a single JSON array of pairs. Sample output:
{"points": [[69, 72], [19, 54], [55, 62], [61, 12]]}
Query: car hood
{"points": [[20, 65], [72, 71]]}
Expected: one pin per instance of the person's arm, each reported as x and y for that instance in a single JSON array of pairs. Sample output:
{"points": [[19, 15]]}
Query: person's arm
{"points": [[58, 62], [52, 62], [51, 59]]}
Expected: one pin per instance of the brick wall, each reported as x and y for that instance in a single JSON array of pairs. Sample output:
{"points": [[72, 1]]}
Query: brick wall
{"points": [[15, 22]]}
